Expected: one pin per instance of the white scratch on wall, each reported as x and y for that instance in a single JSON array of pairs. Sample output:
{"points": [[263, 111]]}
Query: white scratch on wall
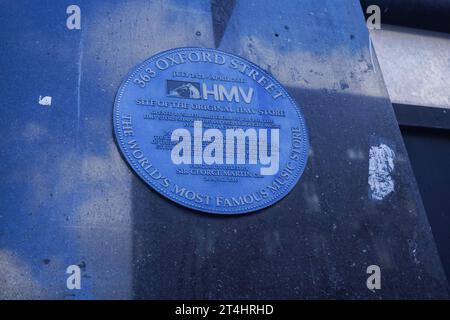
{"points": [[371, 54], [80, 74], [381, 165], [45, 101]]}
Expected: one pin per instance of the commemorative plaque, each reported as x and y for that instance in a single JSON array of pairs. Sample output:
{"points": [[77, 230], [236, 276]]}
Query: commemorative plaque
{"points": [[210, 131]]}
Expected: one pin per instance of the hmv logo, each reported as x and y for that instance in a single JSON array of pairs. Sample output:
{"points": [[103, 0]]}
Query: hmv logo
{"points": [[217, 92], [237, 146]]}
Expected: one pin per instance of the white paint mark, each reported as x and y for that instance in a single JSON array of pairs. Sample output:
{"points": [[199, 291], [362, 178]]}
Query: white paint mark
{"points": [[371, 54], [80, 73], [45, 101], [381, 165]]}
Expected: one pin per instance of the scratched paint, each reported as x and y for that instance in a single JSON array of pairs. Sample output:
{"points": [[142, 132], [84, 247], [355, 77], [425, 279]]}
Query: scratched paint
{"points": [[381, 166], [45, 100], [80, 74]]}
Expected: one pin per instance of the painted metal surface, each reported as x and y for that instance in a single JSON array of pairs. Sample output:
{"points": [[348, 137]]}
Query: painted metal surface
{"points": [[68, 197]]}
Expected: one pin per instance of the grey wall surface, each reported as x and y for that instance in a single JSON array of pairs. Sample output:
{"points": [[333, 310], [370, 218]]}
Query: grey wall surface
{"points": [[415, 65], [68, 197]]}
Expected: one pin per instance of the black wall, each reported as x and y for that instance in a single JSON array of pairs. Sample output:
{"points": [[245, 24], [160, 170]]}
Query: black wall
{"points": [[429, 153]]}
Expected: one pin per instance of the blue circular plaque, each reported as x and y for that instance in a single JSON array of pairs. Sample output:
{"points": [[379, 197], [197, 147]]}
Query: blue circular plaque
{"points": [[210, 131]]}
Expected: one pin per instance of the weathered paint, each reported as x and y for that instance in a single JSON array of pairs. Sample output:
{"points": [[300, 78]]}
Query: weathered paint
{"points": [[381, 166]]}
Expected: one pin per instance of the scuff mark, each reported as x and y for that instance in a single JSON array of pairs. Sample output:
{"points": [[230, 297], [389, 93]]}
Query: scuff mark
{"points": [[355, 154], [311, 196], [381, 165], [371, 54], [45, 101], [80, 74], [413, 249]]}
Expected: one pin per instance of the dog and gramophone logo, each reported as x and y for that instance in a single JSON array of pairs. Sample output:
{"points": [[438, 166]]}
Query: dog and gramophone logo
{"points": [[183, 89], [210, 130]]}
